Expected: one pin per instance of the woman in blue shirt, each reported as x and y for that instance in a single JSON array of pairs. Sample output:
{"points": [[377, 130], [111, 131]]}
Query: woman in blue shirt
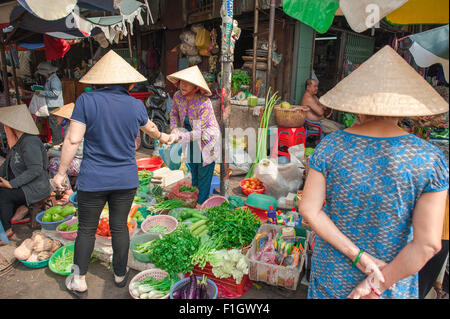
{"points": [[384, 189], [109, 120]]}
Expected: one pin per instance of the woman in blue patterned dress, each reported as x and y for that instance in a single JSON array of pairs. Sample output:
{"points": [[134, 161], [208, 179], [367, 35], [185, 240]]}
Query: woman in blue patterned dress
{"points": [[384, 189]]}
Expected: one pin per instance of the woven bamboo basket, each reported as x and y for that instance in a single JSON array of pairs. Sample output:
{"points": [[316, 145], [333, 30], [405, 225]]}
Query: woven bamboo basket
{"points": [[294, 117]]}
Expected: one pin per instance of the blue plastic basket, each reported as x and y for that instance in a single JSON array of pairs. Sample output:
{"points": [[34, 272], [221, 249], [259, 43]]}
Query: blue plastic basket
{"points": [[213, 291], [73, 199], [51, 225]]}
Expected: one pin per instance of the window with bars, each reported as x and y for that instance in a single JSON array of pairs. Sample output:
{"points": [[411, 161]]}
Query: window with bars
{"points": [[200, 6]]}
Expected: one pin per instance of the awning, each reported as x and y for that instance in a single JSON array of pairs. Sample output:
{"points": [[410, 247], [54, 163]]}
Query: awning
{"points": [[421, 12], [431, 47]]}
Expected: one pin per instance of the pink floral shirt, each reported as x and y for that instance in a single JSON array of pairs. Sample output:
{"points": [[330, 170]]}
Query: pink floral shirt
{"points": [[203, 122]]}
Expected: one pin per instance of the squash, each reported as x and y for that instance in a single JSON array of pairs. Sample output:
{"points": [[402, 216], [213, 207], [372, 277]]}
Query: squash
{"points": [[55, 245], [38, 235], [34, 257], [43, 255], [23, 252]]}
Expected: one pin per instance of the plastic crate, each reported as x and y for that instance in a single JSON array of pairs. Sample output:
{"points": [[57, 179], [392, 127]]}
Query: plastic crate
{"points": [[229, 283], [281, 276]]}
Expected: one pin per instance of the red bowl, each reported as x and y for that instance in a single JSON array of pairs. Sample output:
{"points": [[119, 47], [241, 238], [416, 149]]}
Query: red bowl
{"points": [[247, 191], [149, 163]]}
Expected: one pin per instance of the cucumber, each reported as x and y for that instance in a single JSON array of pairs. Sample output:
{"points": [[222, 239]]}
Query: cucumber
{"points": [[199, 230], [204, 232], [199, 215], [197, 224], [192, 219]]}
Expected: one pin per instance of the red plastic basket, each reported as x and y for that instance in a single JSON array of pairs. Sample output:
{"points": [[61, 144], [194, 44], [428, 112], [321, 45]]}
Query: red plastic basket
{"points": [[229, 283], [149, 163], [260, 213], [247, 191], [141, 95]]}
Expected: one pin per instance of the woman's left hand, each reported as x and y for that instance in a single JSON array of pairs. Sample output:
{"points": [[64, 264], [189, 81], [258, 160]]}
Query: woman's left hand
{"points": [[4, 183], [369, 288]]}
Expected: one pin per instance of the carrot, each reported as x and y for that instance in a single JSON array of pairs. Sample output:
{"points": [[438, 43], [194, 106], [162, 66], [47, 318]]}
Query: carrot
{"points": [[133, 210]]}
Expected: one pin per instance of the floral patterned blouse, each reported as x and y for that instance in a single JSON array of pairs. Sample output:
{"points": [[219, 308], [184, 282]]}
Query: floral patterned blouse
{"points": [[205, 127], [372, 187]]}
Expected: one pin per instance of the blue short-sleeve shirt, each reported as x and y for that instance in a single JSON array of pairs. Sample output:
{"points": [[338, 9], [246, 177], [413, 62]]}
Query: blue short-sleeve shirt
{"points": [[112, 118]]}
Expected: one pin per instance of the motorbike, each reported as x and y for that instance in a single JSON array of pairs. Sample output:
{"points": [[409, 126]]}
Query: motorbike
{"points": [[157, 113]]}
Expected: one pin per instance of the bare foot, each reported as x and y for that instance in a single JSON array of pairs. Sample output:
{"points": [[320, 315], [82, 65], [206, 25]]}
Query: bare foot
{"points": [[20, 213]]}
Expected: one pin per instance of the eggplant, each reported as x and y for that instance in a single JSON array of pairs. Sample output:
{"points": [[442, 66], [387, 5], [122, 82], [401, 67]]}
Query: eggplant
{"points": [[204, 288], [177, 293], [192, 287]]}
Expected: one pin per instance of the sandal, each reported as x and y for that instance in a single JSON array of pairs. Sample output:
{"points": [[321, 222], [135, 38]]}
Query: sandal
{"points": [[10, 234], [22, 221], [73, 291]]}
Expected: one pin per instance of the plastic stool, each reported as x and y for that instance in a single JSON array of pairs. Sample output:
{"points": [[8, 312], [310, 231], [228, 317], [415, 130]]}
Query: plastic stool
{"points": [[214, 184], [310, 132], [288, 136]]}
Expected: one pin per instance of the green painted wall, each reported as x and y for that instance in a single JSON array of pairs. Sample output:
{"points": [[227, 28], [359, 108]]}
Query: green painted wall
{"points": [[305, 48]]}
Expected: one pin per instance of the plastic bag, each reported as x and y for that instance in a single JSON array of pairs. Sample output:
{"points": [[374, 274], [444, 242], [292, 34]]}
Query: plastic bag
{"points": [[190, 198], [239, 161], [188, 37], [297, 153], [189, 50], [202, 39], [279, 180], [38, 106]]}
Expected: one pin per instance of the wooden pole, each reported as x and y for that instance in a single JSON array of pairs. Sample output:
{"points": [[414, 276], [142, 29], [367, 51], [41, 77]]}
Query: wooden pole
{"points": [[16, 84], [4, 69], [269, 55], [255, 44], [130, 46]]}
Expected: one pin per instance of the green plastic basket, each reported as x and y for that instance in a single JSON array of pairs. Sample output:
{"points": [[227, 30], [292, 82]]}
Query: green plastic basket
{"points": [[35, 264], [70, 247], [140, 239]]}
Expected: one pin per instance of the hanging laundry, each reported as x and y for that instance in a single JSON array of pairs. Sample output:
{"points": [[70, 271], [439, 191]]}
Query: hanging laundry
{"points": [[317, 14], [55, 48]]}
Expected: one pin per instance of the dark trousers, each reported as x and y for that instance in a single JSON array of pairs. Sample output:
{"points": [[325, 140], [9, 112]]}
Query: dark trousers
{"points": [[10, 200], [90, 206], [429, 273], [55, 128]]}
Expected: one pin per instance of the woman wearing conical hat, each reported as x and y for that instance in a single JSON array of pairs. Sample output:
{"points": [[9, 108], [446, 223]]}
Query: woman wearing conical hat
{"points": [[384, 189], [109, 120], [23, 175], [193, 120]]}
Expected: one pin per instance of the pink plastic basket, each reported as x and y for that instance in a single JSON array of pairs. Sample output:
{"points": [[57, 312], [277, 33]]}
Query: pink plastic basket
{"points": [[214, 201], [155, 273], [164, 220], [70, 235]]}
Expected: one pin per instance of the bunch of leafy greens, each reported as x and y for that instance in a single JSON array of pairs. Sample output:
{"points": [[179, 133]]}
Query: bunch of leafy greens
{"points": [[173, 252], [237, 227]]}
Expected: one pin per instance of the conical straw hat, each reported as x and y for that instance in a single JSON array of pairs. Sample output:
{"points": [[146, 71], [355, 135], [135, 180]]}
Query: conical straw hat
{"points": [[112, 69], [64, 111], [19, 118], [385, 85], [191, 75]]}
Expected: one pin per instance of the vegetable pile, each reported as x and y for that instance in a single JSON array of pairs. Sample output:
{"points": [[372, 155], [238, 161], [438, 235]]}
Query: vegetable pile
{"points": [[37, 248], [158, 229], [57, 213], [166, 205], [253, 184], [143, 174], [187, 189], [63, 262], [152, 288], [195, 289], [104, 230], [188, 215], [238, 227], [207, 247], [226, 263], [65, 227], [173, 252]]}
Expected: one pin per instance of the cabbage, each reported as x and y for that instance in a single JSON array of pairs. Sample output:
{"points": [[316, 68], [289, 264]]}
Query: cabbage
{"points": [[227, 263]]}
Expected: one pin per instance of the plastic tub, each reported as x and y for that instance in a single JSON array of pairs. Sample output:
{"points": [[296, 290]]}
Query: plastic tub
{"points": [[35, 264], [212, 287], [70, 235], [214, 201], [141, 239], [149, 163], [51, 225], [68, 270]]}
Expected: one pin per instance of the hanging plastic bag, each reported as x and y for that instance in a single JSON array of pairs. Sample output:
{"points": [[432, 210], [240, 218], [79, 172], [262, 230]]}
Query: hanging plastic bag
{"points": [[188, 37], [188, 50], [38, 106], [202, 39]]}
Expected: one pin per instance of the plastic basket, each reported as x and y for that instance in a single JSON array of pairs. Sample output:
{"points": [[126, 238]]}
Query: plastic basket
{"points": [[212, 287], [155, 273], [214, 201], [68, 271], [247, 191], [294, 117], [35, 264], [281, 276], [164, 220], [149, 163], [73, 199], [51, 225], [69, 235], [140, 239]]}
